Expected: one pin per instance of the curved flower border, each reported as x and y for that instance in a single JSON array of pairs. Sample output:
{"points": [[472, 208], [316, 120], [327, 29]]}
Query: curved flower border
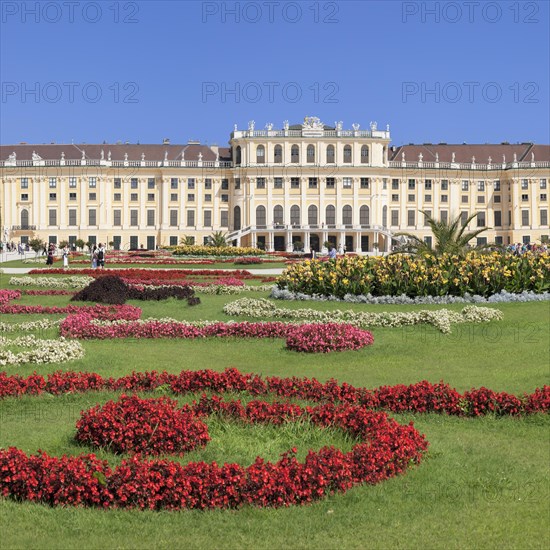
{"points": [[39, 351]]}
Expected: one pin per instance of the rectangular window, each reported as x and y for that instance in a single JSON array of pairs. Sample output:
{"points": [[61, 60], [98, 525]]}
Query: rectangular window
{"points": [[92, 218], [443, 215], [428, 185], [427, 198], [509, 217], [498, 218], [260, 183], [190, 218], [174, 183], [24, 196], [133, 218], [52, 183], [365, 183], [295, 183], [524, 197], [525, 184], [117, 217], [117, 197], [498, 239], [444, 198], [25, 183], [237, 183], [150, 217], [411, 198], [444, 185], [347, 182], [481, 186], [525, 217], [331, 182], [133, 196], [225, 184], [395, 217], [190, 197], [53, 196], [208, 183], [173, 196], [429, 215], [225, 198], [224, 218], [92, 196], [72, 216], [150, 183], [412, 184], [481, 219], [190, 183], [544, 217], [395, 197], [173, 240], [277, 183], [543, 183], [208, 197], [117, 183], [92, 183], [543, 197], [464, 198], [410, 217], [207, 218], [480, 199], [465, 185], [395, 184], [150, 197], [463, 217], [72, 196], [312, 183], [496, 198], [496, 185], [173, 218], [133, 183]]}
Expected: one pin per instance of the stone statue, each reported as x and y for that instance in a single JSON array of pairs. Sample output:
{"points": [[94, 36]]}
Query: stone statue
{"points": [[35, 156], [269, 126], [532, 157], [387, 127], [235, 128], [339, 125], [373, 125], [437, 157], [312, 123], [489, 160], [142, 157], [102, 154], [125, 157], [473, 160], [12, 157], [515, 157], [285, 124], [165, 156], [402, 156], [200, 156], [109, 155], [251, 125], [355, 126], [62, 155], [420, 157], [83, 155], [453, 157], [183, 154], [503, 159]]}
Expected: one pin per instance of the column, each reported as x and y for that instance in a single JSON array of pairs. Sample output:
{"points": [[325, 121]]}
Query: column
{"points": [[289, 247]]}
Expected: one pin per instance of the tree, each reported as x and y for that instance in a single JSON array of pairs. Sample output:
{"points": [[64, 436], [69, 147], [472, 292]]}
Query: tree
{"points": [[37, 245], [79, 243], [218, 239], [451, 237], [63, 244]]}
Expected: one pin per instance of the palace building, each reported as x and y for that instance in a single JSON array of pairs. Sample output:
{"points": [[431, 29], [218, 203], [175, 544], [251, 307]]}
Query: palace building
{"points": [[280, 189]]}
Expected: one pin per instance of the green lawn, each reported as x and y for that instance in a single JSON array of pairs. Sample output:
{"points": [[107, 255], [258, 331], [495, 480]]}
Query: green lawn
{"points": [[483, 484]]}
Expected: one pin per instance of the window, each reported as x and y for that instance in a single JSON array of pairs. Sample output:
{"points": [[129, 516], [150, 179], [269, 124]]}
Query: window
{"points": [[427, 198], [395, 197], [151, 183], [410, 217], [133, 196], [278, 183], [116, 197], [347, 183], [411, 198], [481, 186], [174, 183], [224, 218], [260, 183], [428, 215], [525, 184], [481, 219], [53, 196], [331, 182], [464, 198], [444, 185], [92, 216], [295, 215], [133, 217], [278, 154], [525, 217], [542, 184], [524, 198], [428, 185], [237, 183], [173, 197], [347, 154], [544, 217], [150, 217], [347, 215], [278, 215], [190, 218], [312, 183], [24, 196], [384, 183], [496, 185], [208, 183], [412, 185], [443, 215], [173, 218], [364, 215], [237, 217], [330, 154], [509, 217], [260, 154], [24, 219], [92, 196], [117, 217], [444, 198], [261, 216], [191, 183], [207, 218], [480, 199], [395, 184], [92, 183], [52, 183], [480, 241], [543, 197], [384, 216], [295, 183], [395, 217], [173, 240], [225, 198], [237, 156], [498, 240], [134, 183], [465, 185], [225, 184], [208, 197], [498, 218], [72, 216], [364, 155], [294, 154], [463, 217], [365, 183], [25, 183], [496, 198], [117, 183], [330, 215], [310, 153], [312, 215], [190, 197]]}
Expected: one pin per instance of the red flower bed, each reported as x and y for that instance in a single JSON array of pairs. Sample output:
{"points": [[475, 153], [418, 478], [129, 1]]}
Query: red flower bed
{"points": [[111, 312], [48, 292], [9, 295], [149, 274], [327, 337], [147, 426], [385, 450], [422, 397]]}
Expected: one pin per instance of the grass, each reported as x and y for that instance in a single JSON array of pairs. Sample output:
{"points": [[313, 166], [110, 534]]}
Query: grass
{"points": [[484, 482]]}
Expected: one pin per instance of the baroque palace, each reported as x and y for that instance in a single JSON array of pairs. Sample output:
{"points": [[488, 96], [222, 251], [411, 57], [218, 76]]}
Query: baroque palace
{"points": [[279, 189]]}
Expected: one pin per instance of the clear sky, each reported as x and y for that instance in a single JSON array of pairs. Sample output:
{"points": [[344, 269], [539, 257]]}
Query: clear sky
{"points": [[452, 72]]}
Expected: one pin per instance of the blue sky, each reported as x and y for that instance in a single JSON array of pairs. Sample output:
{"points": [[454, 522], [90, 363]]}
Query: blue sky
{"points": [[450, 72]]}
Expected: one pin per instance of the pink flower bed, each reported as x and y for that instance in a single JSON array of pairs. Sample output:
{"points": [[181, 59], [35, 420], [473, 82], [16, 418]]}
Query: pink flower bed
{"points": [[9, 295], [327, 337], [97, 311]]}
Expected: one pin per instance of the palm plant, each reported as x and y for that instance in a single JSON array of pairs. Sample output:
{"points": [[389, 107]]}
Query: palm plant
{"points": [[218, 239], [187, 240], [450, 237]]}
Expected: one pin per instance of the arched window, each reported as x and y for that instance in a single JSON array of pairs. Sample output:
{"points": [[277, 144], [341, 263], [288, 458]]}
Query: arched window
{"points": [[364, 154], [384, 216], [295, 215], [347, 215], [236, 218], [24, 219], [278, 216], [260, 154], [312, 215], [364, 215], [311, 153], [330, 154], [278, 154], [347, 153], [330, 215], [260, 216], [238, 155], [294, 154]]}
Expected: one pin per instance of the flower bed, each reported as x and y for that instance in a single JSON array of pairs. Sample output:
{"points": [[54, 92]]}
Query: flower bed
{"points": [[250, 260], [9, 295], [29, 326], [146, 426], [76, 281], [441, 319], [38, 351], [98, 311], [327, 337], [48, 292], [198, 250], [156, 274], [422, 397], [394, 275]]}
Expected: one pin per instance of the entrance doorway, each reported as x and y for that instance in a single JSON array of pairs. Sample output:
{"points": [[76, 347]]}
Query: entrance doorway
{"points": [[279, 243]]}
